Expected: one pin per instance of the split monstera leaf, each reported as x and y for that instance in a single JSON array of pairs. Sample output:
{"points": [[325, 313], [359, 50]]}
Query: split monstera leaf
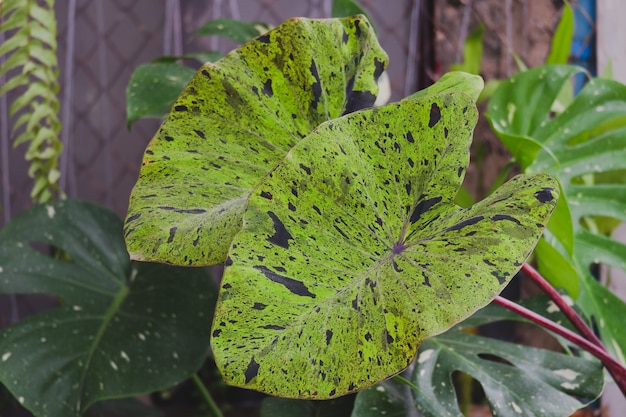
{"points": [[343, 247]]}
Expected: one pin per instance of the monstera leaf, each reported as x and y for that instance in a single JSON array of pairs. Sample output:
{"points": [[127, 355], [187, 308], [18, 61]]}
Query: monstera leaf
{"points": [[517, 380], [235, 120], [121, 328], [353, 252], [585, 148]]}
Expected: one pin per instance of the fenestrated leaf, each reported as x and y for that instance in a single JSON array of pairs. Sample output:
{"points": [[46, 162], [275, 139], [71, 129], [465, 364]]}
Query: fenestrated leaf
{"points": [[121, 329], [582, 146], [353, 252], [234, 122], [517, 380], [535, 382], [153, 88]]}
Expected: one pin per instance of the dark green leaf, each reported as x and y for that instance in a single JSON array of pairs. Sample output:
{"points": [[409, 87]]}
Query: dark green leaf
{"points": [[121, 329], [234, 122], [352, 251], [388, 399], [127, 407], [153, 88], [345, 8], [284, 407], [517, 380], [238, 31], [201, 57]]}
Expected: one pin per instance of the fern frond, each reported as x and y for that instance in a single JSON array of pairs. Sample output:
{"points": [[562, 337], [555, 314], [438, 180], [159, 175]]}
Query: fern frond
{"points": [[31, 67]]}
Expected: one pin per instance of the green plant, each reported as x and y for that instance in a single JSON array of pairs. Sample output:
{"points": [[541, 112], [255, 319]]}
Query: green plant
{"points": [[32, 69], [343, 247]]}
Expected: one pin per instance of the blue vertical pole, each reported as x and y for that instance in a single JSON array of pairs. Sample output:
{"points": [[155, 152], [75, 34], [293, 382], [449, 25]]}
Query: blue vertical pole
{"points": [[583, 44]]}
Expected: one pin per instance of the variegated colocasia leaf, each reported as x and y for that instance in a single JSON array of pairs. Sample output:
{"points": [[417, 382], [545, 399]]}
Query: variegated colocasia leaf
{"points": [[353, 252], [235, 120]]}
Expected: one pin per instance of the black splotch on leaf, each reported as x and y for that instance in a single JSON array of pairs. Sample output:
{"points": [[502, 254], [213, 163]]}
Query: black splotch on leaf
{"points": [[294, 286], [329, 336], [252, 370], [499, 217], [435, 115], [180, 108], [281, 236], [183, 211], [172, 233], [423, 207], [545, 195], [306, 169], [465, 223], [267, 88], [358, 100], [316, 86]]}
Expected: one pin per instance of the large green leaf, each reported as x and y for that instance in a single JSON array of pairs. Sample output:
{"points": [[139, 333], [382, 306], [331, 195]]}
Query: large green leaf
{"points": [[517, 380], [121, 328], [353, 252], [234, 122], [584, 146]]}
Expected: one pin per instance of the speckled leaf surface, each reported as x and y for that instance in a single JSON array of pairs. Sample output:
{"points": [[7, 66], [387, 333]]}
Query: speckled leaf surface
{"points": [[518, 381], [585, 148], [235, 120], [353, 252], [121, 329]]}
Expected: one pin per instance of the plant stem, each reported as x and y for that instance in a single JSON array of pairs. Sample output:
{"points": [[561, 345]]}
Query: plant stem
{"points": [[569, 312], [215, 411], [617, 371]]}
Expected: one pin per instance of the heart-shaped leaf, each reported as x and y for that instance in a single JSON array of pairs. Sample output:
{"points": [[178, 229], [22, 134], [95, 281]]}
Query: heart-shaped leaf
{"points": [[517, 380], [353, 252], [122, 328], [585, 148], [233, 123]]}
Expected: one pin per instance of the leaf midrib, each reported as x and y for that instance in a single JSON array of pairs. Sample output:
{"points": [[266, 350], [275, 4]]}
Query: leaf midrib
{"points": [[118, 299]]}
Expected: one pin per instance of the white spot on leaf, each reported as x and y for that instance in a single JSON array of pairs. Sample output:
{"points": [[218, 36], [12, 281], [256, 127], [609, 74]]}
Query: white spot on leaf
{"points": [[568, 374], [51, 211], [516, 408], [113, 365], [21, 400], [77, 308], [124, 356], [569, 385], [380, 388], [552, 308], [425, 355], [6, 356]]}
